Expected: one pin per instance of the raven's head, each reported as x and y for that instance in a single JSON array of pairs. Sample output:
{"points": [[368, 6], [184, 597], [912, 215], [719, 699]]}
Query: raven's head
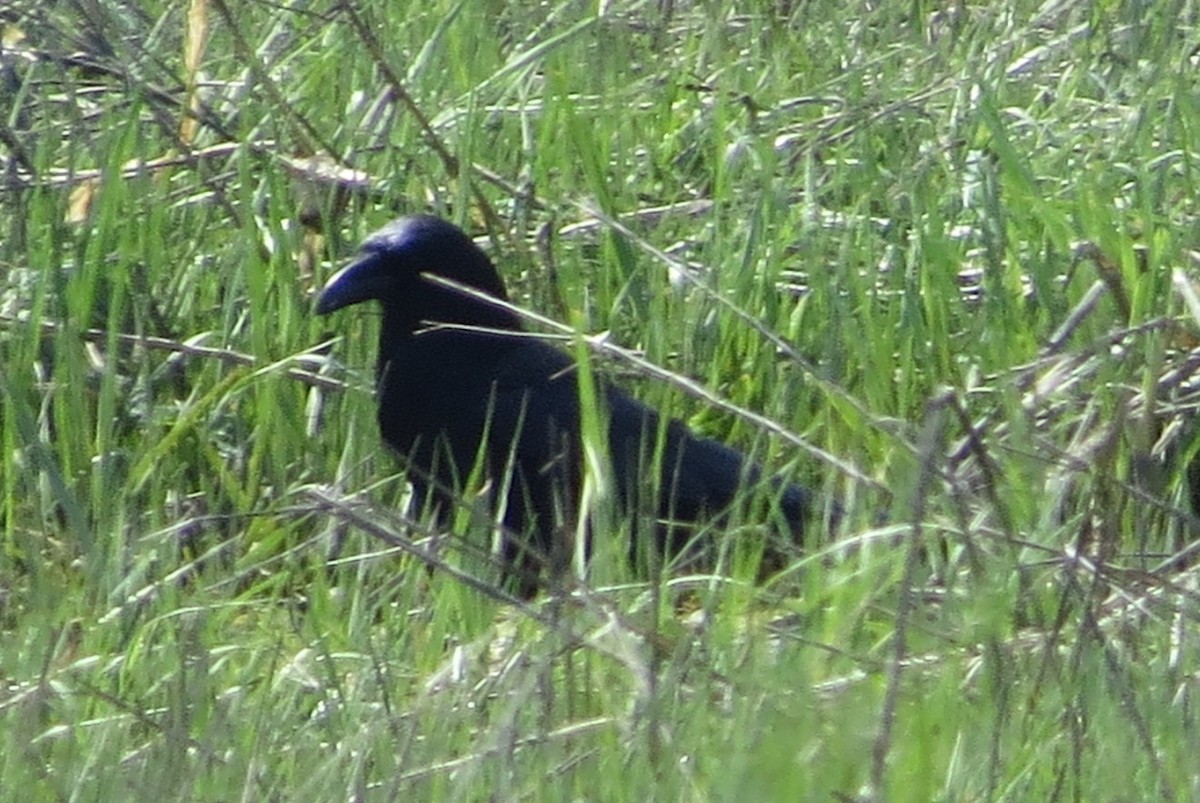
{"points": [[393, 267]]}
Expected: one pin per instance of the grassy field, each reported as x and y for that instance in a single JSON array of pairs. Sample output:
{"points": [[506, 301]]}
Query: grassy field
{"points": [[937, 260]]}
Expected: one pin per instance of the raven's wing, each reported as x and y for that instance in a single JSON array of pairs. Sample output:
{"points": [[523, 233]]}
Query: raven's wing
{"points": [[671, 472]]}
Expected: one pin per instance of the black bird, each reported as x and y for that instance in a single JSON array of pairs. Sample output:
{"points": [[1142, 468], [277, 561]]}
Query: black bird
{"points": [[460, 386]]}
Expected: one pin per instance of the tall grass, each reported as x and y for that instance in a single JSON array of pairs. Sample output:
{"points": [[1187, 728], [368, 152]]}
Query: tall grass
{"points": [[934, 260]]}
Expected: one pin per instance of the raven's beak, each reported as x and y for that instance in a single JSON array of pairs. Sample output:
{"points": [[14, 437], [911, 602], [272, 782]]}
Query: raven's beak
{"points": [[364, 279]]}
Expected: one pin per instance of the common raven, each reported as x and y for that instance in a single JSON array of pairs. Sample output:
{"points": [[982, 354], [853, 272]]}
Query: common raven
{"points": [[462, 387]]}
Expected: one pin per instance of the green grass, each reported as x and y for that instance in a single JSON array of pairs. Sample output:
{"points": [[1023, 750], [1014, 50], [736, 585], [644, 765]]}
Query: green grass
{"points": [[933, 259]]}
